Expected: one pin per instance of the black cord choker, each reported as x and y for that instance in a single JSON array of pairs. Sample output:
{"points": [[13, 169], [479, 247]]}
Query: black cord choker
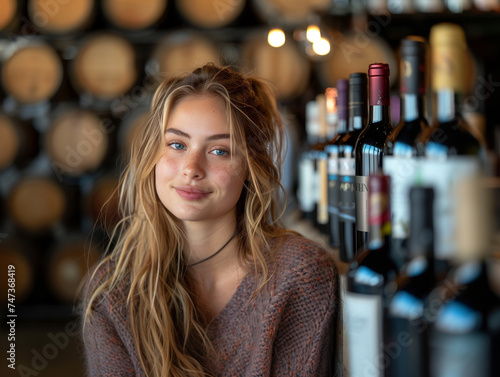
{"points": [[214, 254]]}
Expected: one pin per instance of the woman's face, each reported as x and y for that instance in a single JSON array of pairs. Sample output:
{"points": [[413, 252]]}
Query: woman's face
{"points": [[196, 177]]}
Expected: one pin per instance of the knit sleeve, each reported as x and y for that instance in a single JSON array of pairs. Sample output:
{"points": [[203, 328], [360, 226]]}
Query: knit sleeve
{"points": [[105, 352], [304, 341]]}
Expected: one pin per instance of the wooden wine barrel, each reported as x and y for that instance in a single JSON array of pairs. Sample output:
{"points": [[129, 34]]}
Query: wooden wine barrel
{"points": [[33, 73], [60, 17], [8, 10], [105, 66], [284, 66], [102, 202], [9, 142], [12, 253], [76, 142], [182, 52], [134, 14], [354, 53], [131, 129], [289, 12], [36, 203], [210, 13], [68, 265]]}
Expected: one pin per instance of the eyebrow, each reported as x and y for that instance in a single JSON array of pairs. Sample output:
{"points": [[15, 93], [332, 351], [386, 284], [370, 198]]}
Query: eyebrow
{"points": [[208, 138]]}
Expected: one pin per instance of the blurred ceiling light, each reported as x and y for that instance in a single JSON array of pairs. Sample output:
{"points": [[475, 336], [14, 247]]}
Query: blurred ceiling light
{"points": [[321, 47], [276, 37], [313, 34]]}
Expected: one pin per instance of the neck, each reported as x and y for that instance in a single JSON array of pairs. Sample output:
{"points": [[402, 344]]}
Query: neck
{"points": [[412, 107], [447, 108], [214, 254], [377, 238], [342, 126], [204, 239], [379, 113], [356, 123]]}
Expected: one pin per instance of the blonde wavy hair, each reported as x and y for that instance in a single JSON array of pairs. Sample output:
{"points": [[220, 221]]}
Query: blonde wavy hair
{"points": [[169, 332]]}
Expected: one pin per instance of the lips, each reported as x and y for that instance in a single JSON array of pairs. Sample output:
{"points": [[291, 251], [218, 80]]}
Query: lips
{"points": [[191, 192]]}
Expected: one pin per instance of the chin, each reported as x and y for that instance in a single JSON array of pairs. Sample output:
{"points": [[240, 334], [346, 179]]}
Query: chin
{"points": [[188, 215]]}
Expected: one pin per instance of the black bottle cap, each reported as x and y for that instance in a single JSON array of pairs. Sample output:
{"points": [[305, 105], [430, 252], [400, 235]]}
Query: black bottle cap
{"points": [[413, 65], [358, 78], [413, 46], [358, 94]]}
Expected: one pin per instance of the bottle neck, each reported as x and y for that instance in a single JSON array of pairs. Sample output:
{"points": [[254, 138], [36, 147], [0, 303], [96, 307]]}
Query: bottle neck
{"points": [[341, 126], [412, 107], [379, 211], [448, 105], [378, 237], [357, 122], [380, 113]]}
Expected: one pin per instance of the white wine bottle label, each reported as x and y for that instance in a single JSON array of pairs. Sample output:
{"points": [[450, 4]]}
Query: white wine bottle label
{"points": [[307, 184], [461, 355], [323, 190], [403, 172], [362, 203], [347, 166], [363, 321], [333, 166], [347, 189], [443, 176], [333, 188]]}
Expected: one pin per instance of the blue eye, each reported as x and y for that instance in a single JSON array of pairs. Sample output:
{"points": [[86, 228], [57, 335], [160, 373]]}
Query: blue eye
{"points": [[176, 146], [219, 152]]}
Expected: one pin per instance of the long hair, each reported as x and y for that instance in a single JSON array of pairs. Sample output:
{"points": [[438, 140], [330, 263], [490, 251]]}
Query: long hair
{"points": [[169, 332]]}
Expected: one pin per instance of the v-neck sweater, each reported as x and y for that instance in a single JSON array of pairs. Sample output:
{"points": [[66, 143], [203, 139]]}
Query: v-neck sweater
{"points": [[286, 330]]}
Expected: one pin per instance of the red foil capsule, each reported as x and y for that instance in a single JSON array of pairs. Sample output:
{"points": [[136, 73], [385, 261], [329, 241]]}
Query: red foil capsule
{"points": [[378, 77]]}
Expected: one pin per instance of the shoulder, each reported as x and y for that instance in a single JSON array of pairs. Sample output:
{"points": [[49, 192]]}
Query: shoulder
{"points": [[97, 284], [302, 261], [297, 252]]}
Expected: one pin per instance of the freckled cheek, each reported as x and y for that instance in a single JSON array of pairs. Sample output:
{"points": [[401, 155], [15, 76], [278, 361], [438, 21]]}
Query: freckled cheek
{"points": [[229, 181], [230, 174], [166, 168]]}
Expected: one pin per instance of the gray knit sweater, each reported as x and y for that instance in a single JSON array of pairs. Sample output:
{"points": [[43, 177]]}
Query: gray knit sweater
{"points": [[287, 330]]}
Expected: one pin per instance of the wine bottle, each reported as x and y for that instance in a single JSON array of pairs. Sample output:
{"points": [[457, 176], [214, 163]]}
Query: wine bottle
{"points": [[465, 335], [368, 277], [306, 191], [332, 150], [358, 118], [370, 145], [321, 165], [407, 335], [452, 150], [404, 146]]}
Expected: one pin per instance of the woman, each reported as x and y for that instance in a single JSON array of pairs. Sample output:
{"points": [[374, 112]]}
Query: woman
{"points": [[203, 281]]}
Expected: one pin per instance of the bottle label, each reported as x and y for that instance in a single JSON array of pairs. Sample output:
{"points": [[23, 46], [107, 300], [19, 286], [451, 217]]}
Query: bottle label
{"points": [[307, 185], [363, 321], [361, 184], [403, 172], [333, 189], [333, 164], [323, 190], [347, 189], [443, 176], [461, 355]]}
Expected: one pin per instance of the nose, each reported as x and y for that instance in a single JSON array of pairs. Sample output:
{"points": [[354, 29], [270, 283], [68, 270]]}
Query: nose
{"points": [[194, 165]]}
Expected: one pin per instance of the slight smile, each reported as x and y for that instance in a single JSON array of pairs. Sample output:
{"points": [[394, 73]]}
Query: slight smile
{"points": [[190, 192]]}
